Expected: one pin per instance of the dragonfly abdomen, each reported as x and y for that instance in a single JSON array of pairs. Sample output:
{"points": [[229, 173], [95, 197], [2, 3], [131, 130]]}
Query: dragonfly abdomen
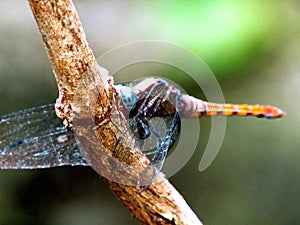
{"points": [[195, 108]]}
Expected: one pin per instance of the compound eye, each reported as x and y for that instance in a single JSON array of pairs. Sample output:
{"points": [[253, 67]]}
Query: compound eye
{"points": [[128, 98]]}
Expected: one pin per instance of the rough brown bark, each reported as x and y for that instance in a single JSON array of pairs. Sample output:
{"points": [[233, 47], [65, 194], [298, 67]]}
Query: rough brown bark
{"points": [[71, 58]]}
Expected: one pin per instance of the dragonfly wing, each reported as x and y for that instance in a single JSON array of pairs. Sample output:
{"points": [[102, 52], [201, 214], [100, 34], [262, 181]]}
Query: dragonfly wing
{"points": [[36, 138], [159, 156], [151, 172]]}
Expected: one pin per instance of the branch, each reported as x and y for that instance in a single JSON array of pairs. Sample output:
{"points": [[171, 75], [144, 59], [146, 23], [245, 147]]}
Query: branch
{"points": [[71, 59]]}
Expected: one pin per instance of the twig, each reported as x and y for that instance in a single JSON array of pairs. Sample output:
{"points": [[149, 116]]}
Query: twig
{"points": [[71, 58]]}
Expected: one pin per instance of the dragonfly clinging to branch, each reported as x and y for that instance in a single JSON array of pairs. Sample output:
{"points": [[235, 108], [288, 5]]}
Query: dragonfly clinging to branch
{"points": [[36, 138]]}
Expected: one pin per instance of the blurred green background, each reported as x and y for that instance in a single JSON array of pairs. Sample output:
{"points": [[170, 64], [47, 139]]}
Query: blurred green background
{"points": [[253, 49]]}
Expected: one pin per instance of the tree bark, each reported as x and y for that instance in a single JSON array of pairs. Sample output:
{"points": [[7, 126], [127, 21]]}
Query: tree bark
{"points": [[71, 59]]}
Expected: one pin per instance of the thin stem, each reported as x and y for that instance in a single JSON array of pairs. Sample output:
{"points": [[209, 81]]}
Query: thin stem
{"points": [[71, 57]]}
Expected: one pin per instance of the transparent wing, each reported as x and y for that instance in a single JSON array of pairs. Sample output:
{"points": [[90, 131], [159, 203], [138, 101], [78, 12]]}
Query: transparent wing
{"points": [[156, 128], [159, 156], [163, 133], [36, 138]]}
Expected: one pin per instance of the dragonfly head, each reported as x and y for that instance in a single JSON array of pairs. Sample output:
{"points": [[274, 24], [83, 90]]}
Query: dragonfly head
{"points": [[128, 97]]}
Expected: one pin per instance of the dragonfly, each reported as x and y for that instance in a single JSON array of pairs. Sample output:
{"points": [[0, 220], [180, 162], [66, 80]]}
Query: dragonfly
{"points": [[36, 137]]}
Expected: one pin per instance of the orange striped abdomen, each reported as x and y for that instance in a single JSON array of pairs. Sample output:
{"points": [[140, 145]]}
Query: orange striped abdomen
{"points": [[195, 108]]}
